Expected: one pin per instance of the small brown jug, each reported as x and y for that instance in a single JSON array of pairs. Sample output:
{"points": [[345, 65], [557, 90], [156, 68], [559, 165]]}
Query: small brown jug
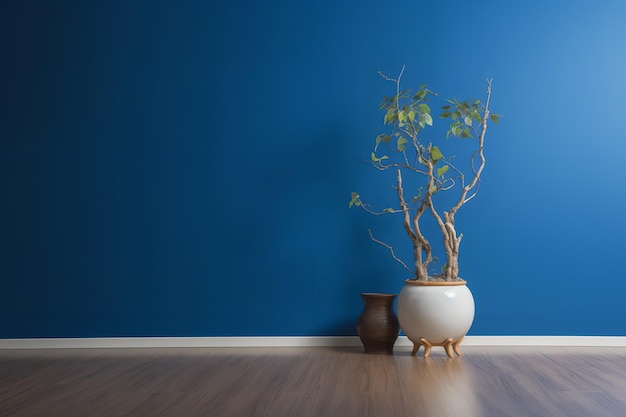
{"points": [[378, 326]]}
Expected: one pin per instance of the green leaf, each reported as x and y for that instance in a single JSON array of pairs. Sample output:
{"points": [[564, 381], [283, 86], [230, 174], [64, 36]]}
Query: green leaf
{"points": [[424, 108], [456, 129], [445, 107], [494, 118], [390, 116], [375, 159], [411, 115], [442, 170], [402, 144], [445, 114], [428, 119], [467, 120], [401, 116], [416, 198], [466, 133], [355, 200], [432, 190], [389, 210], [435, 154], [420, 94]]}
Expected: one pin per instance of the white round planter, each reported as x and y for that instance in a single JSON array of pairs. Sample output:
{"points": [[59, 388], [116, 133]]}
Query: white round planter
{"points": [[435, 314]]}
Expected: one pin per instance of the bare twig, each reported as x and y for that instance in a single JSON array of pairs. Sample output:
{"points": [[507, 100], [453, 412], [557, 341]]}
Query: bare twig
{"points": [[390, 250], [380, 166], [461, 175], [395, 81], [447, 187], [368, 209]]}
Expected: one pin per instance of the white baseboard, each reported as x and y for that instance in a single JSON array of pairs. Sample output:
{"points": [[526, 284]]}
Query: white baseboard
{"points": [[296, 341]]}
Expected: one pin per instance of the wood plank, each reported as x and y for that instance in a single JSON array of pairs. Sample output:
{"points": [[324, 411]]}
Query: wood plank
{"points": [[312, 382]]}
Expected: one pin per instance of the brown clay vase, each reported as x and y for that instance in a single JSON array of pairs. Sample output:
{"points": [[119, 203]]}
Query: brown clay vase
{"points": [[378, 326]]}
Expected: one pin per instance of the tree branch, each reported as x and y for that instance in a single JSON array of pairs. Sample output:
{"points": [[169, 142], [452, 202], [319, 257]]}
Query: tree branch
{"points": [[395, 81], [481, 140], [390, 250]]}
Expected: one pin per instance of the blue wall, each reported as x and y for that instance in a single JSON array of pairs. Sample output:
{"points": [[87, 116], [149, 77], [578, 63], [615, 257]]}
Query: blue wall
{"points": [[183, 168]]}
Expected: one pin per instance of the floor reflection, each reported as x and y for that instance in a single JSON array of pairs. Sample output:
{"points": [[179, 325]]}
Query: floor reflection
{"points": [[445, 387]]}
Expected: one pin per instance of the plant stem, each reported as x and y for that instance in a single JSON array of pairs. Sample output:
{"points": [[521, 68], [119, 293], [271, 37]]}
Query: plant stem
{"points": [[420, 244]]}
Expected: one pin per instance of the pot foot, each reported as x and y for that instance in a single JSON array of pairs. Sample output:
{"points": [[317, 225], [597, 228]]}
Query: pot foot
{"points": [[449, 345], [455, 346]]}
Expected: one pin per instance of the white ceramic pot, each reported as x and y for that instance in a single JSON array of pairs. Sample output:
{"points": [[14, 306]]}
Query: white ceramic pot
{"points": [[435, 313]]}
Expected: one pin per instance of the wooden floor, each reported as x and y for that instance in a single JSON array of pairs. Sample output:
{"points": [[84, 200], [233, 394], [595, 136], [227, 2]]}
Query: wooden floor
{"points": [[306, 382]]}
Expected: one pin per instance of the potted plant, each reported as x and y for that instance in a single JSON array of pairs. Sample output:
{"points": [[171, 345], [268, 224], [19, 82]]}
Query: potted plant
{"points": [[435, 307]]}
